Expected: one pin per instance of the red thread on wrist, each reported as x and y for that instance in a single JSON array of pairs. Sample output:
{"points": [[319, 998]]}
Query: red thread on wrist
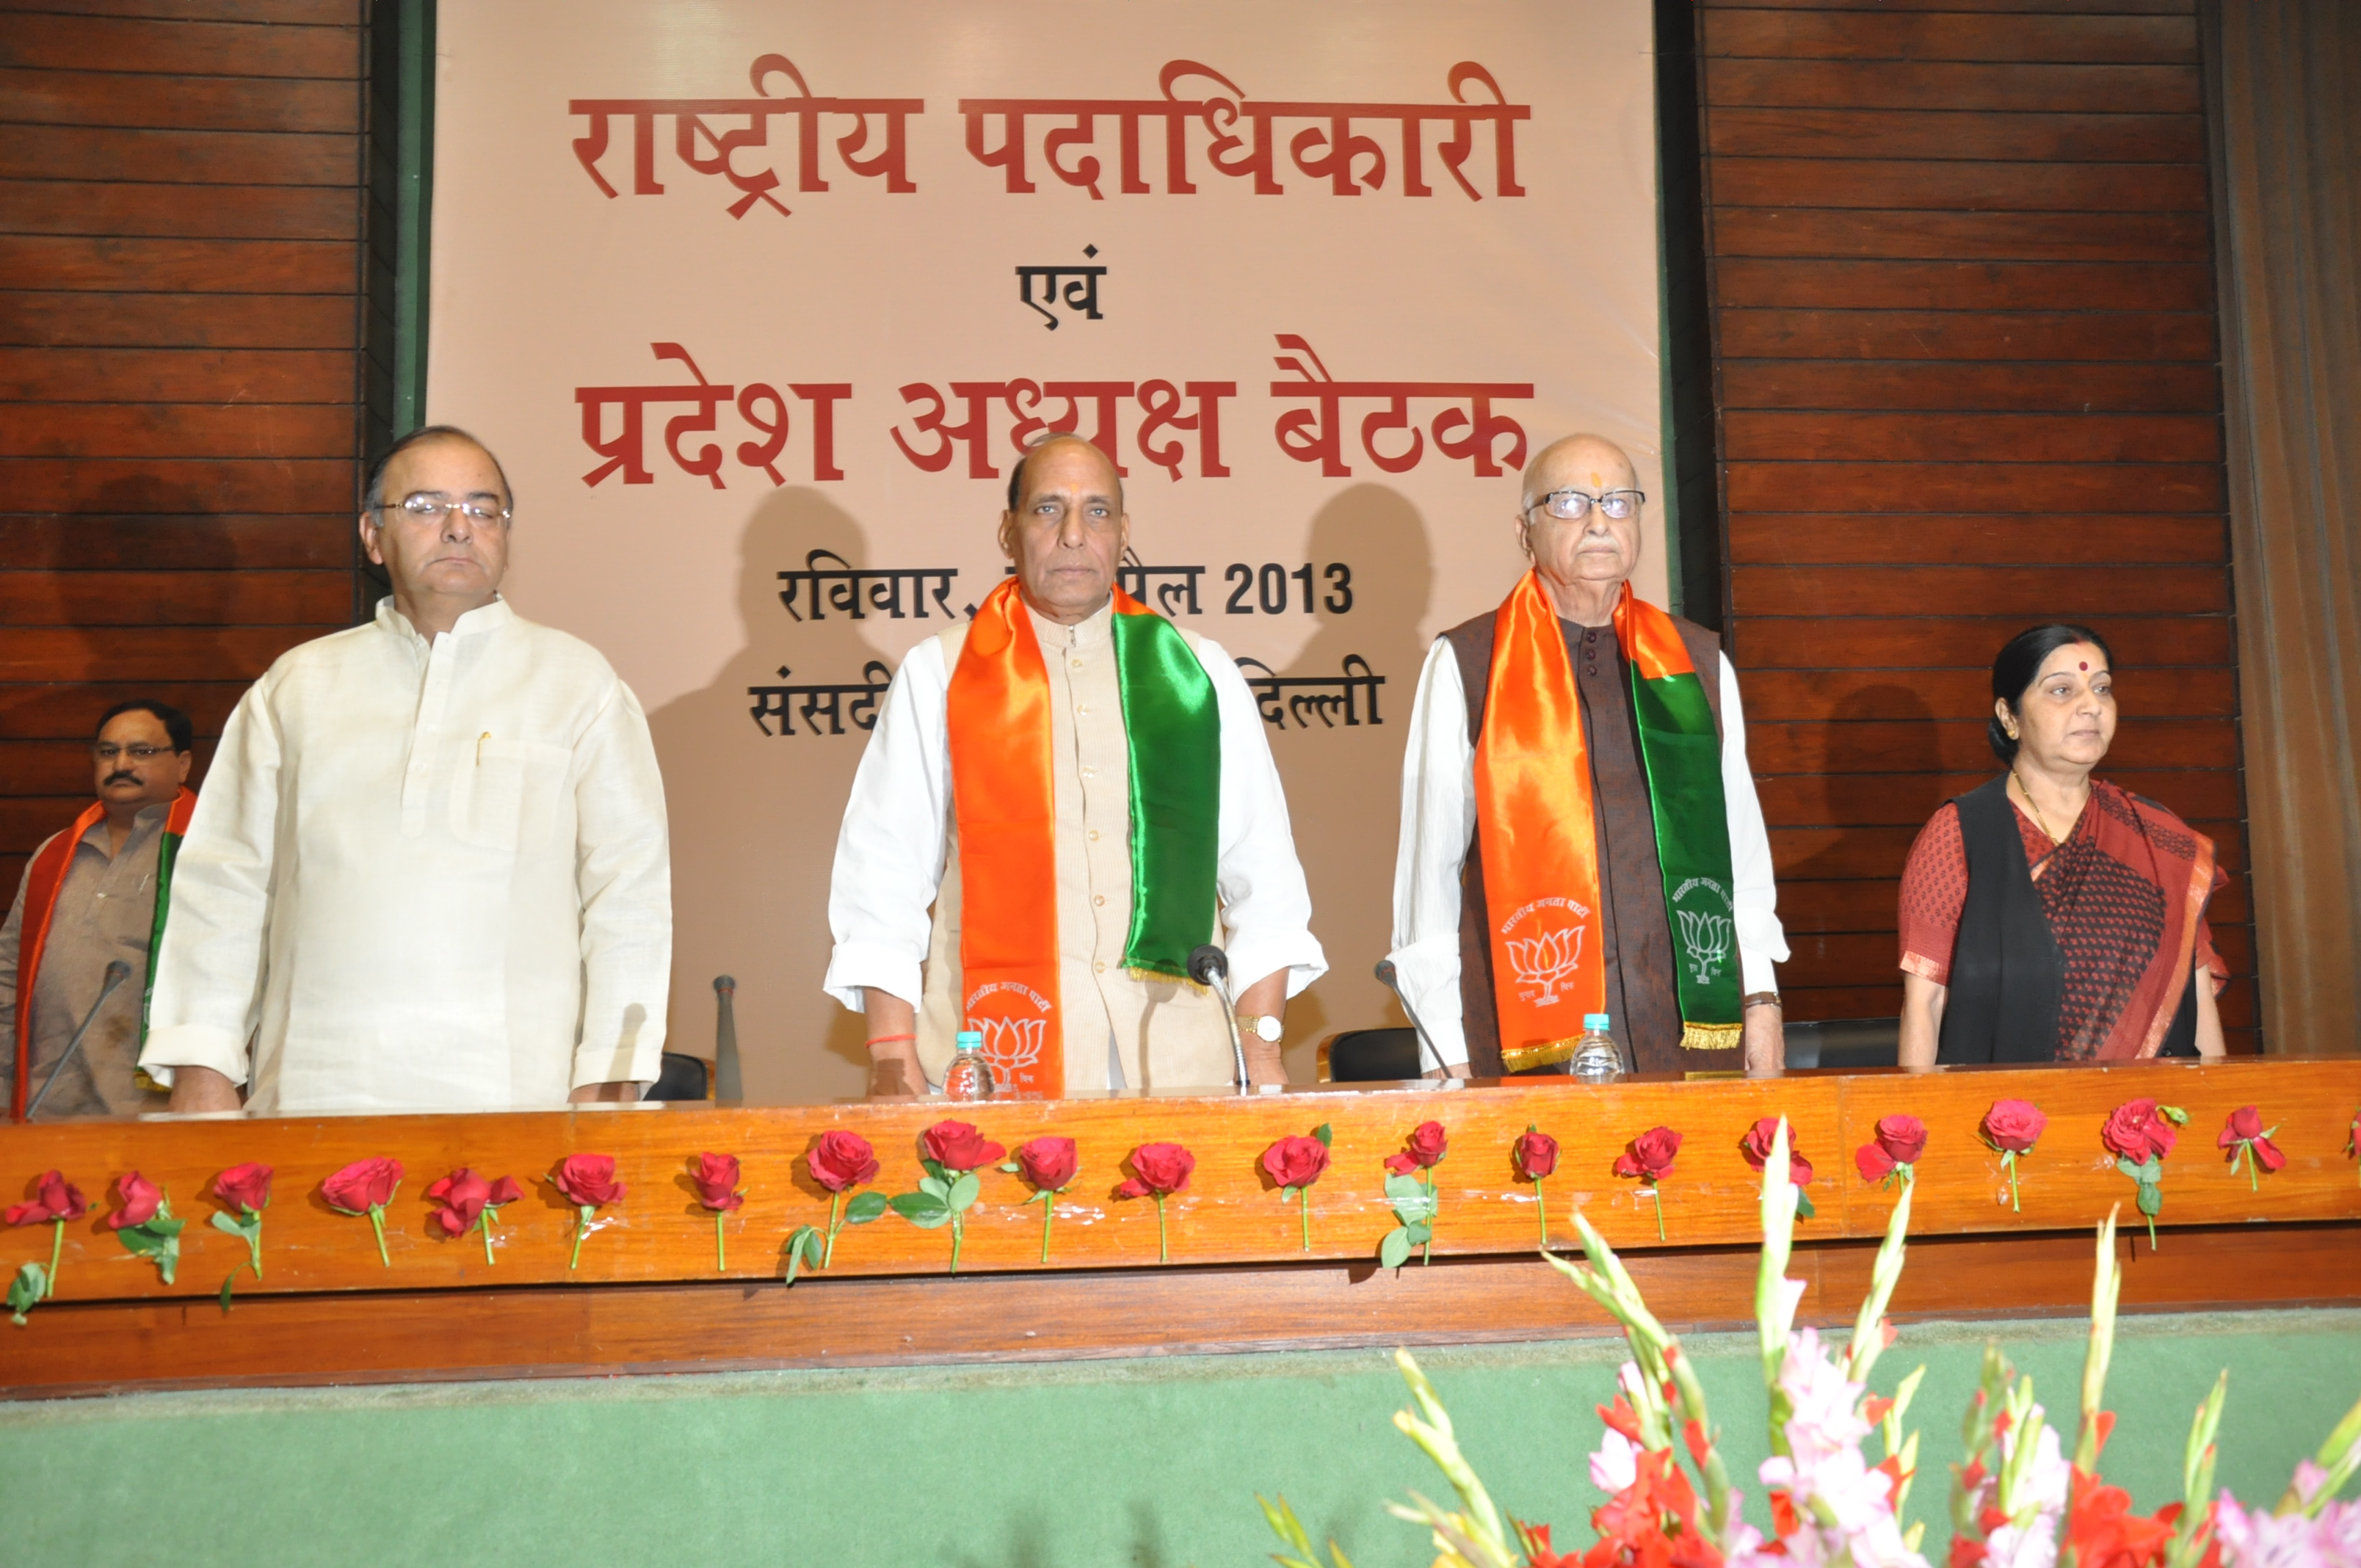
{"points": [[876, 1040]]}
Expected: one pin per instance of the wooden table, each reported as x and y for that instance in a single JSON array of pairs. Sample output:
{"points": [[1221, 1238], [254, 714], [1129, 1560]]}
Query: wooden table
{"points": [[647, 1296]]}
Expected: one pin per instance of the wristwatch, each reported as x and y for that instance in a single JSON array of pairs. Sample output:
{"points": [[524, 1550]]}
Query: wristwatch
{"points": [[1262, 1026]]}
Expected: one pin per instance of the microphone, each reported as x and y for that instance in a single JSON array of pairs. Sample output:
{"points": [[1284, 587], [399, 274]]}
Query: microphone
{"points": [[1210, 966], [727, 1087], [116, 973], [1392, 979]]}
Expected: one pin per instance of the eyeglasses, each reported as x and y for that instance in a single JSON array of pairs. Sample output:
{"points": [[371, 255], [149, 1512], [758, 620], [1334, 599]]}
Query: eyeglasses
{"points": [[423, 505], [1572, 506], [107, 751]]}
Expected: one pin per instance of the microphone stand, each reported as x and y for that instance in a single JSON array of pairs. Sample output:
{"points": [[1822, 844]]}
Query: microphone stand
{"points": [[1210, 966], [727, 1088], [116, 973], [1392, 979]]}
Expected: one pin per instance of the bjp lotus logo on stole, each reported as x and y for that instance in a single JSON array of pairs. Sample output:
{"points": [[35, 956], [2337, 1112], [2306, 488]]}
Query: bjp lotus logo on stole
{"points": [[1010, 1043], [1706, 937], [1545, 960]]}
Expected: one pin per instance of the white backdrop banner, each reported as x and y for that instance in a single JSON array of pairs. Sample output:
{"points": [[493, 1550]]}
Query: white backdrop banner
{"points": [[757, 302]]}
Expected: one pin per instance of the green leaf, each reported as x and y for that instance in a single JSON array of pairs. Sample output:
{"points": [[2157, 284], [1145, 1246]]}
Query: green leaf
{"points": [[864, 1207], [2174, 1114], [935, 1187], [24, 1291], [965, 1191], [1394, 1251], [937, 1170], [1401, 1187], [923, 1209], [1287, 1194], [1322, 1133], [225, 1285], [2151, 1198], [1012, 1169], [803, 1246], [229, 1226], [1419, 1234], [1804, 1209], [2124, 1163]]}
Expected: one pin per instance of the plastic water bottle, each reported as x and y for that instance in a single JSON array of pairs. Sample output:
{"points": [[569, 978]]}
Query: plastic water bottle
{"points": [[1594, 1056], [970, 1076]]}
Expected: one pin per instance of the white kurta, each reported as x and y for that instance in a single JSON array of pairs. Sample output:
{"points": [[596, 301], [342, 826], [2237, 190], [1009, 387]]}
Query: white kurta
{"points": [[894, 898], [1439, 825], [423, 878]]}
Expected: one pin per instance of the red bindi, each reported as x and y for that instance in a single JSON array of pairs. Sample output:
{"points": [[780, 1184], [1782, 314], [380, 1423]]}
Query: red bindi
{"points": [[2082, 666]]}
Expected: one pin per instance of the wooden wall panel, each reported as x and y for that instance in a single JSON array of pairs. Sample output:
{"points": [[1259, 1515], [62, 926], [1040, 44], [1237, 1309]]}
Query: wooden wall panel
{"points": [[1967, 379], [181, 215]]}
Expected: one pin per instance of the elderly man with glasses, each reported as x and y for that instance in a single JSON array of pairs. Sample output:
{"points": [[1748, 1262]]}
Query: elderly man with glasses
{"points": [[430, 868], [1580, 833], [93, 898]]}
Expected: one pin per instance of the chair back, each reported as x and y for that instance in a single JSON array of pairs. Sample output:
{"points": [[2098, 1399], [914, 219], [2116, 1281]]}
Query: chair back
{"points": [[1370, 1055]]}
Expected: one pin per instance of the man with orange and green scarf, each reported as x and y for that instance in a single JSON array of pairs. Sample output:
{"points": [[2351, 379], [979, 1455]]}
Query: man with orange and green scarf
{"points": [[1580, 831], [1060, 800], [94, 893]]}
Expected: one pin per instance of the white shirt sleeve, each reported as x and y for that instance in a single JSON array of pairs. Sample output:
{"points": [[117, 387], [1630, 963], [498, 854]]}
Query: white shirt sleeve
{"points": [[209, 968], [623, 870], [1266, 902], [889, 853], [1755, 897], [1438, 824]]}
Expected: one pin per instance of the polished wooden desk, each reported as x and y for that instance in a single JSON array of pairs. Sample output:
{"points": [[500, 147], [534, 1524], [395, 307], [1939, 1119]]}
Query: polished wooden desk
{"points": [[648, 1297]]}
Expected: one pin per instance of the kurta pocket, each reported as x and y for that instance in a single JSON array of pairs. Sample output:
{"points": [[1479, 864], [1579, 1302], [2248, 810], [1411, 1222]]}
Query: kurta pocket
{"points": [[506, 792]]}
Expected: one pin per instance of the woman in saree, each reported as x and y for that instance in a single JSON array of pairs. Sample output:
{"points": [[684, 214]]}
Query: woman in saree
{"points": [[2048, 916]]}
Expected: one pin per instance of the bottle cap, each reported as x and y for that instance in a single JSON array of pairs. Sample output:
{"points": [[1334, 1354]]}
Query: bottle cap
{"points": [[971, 1040], [1598, 1021]]}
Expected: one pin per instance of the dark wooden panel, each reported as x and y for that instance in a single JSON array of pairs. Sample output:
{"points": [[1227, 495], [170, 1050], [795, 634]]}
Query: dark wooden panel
{"points": [[1877, 746], [2032, 592], [179, 156], [190, 212], [192, 102], [203, 543], [1838, 800], [1869, 958], [1964, 285], [1907, 133], [2140, 387], [176, 321], [180, 429], [202, 266], [175, 598], [1909, 643], [2003, 237], [1805, 538], [111, 484], [1809, 908], [300, 13], [63, 712], [2144, 337], [2048, 89], [169, 654], [1976, 187], [1991, 438], [1805, 1003], [33, 40], [1833, 694], [1886, 38], [1963, 487], [2042, 8], [175, 376]]}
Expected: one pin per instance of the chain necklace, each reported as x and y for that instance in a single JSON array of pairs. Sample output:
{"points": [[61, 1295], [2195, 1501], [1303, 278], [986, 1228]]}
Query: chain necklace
{"points": [[2039, 820]]}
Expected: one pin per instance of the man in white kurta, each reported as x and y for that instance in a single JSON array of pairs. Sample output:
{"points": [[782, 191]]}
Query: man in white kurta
{"points": [[1584, 564], [894, 899], [430, 866]]}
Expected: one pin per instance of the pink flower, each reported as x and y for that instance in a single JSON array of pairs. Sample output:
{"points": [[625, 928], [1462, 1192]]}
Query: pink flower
{"points": [[141, 1198], [2246, 1126], [57, 1201], [715, 1177], [1422, 1150], [1898, 1143]]}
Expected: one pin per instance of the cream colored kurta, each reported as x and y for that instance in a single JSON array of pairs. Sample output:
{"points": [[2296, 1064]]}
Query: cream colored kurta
{"points": [[422, 877], [898, 854]]}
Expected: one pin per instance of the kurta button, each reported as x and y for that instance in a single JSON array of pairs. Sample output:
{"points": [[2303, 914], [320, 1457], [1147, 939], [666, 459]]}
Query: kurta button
{"points": [[1081, 712], [1088, 773], [1095, 834], [1077, 664], [1098, 898], [1590, 669], [1101, 968]]}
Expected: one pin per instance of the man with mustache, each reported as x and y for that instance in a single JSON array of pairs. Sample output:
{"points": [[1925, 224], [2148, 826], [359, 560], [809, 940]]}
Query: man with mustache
{"points": [[91, 894], [1061, 800], [1580, 833], [430, 870]]}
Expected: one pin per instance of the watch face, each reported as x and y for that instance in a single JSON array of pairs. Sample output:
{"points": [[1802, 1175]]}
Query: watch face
{"points": [[1267, 1027]]}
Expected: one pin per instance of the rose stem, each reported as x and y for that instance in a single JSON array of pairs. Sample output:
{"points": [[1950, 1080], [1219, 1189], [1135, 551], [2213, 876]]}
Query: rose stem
{"points": [[828, 1250], [1540, 1205], [2151, 1232], [254, 1241], [1433, 1212], [1304, 1213], [720, 1241], [376, 1224], [484, 1224], [2254, 1183], [1163, 1246], [1049, 1212], [57, 1246], [581, 1225], [958, 1234], [2013, 1205], [1657, 1193]]}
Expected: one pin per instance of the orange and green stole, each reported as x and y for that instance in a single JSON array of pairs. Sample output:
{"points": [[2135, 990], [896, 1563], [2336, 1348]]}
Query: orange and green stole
{"points": [[1540, 841], [1001, 792], [45, 880]]}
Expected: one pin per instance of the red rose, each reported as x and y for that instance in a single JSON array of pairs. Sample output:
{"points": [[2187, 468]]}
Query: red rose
{"points": [[588, 1179], [1874, 1162], [1650, 1155], [463, 1194], [1295, 1161], [1902, 1138], [244, 1187], [1536, 1155], [1161, 1170], [140, 1201], [841, 1160], [2136, 1130], [2245, 1125], [1424, 1149], [716, 1180], [1049, 1163], [956, 1146], [58, 1199], [2013, 1126], [1756, 1147], [504, 1191], [363, 1185]]}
